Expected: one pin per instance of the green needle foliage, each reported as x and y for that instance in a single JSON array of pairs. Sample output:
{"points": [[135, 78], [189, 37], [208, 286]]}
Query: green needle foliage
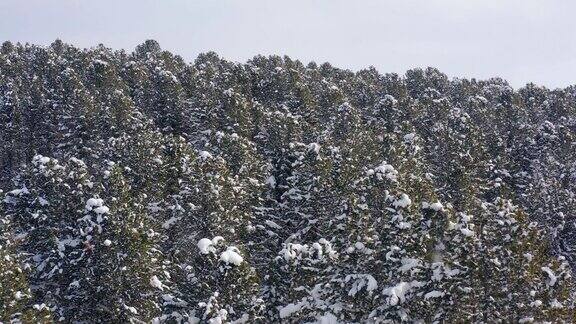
{"points": [[137, 187]]}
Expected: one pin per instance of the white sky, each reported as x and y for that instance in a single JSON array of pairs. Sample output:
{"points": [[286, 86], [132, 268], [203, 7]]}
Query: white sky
{"points": [[519, 40]]}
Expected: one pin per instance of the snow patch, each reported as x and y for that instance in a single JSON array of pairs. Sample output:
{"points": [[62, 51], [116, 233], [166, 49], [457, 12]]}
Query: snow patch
{"points": [[384, 171], [205, 155], [408, 264], [101, 210], [317, 250], [156, 283], [100, 62], [205, 246], [43, 202], [96, 205], [327, 318], [171, 221], [271, 181], [18, 192], [437, 206], [551, 276], [434, 294], [390, 99], [466, 232], [290, 309], [131, 309], [272, 224], [314, 147], [397, 293], [362, 281], [403, 202], [232, 256], [40, 160], [408, 138]]}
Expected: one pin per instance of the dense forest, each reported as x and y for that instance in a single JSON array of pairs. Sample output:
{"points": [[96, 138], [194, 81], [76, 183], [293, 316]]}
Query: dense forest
{"points": [[137, 187]]}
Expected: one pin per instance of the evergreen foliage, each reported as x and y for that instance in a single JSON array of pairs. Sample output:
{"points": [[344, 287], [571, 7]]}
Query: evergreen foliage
{"points": [[136, 187]]}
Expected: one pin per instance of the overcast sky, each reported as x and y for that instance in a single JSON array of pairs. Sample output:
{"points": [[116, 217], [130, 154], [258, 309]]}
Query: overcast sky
{"points": [[519, 40]]}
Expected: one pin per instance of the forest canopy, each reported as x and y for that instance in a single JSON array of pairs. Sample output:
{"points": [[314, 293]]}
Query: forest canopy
{"points": [[139, 187]]}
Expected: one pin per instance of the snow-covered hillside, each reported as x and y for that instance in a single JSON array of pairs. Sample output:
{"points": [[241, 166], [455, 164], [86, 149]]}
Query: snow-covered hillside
{"points": [[138, 187]]}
